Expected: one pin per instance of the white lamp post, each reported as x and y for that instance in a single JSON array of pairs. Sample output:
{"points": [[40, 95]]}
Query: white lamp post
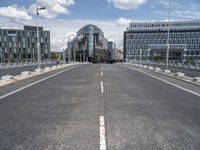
{"points": [[168, 36], [38, 41]]}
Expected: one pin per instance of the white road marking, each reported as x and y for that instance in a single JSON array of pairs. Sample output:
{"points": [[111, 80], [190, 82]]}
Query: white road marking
{"points": [[102, 88], [102, 133], [36, 82], [177, 86], [101, 74]]}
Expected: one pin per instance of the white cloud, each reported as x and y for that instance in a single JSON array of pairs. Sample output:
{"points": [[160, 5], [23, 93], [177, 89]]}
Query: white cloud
{"points": [[178, 11], [53, 8], [127, 4], [60, 42], [123, 22], [13, 13]]}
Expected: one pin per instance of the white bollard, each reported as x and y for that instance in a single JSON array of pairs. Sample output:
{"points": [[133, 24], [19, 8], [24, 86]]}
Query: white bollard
{"points": [[157, 69], [7, 77], [150, 68], [145, 67], [54, 67], [38, 70], [46, 68], [167, 71], [180, 74], [140, 66], [196, 79], [25, 73]]}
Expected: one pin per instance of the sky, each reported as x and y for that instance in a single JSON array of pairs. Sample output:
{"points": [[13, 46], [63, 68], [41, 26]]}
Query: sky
{"points": [[65, 17]]}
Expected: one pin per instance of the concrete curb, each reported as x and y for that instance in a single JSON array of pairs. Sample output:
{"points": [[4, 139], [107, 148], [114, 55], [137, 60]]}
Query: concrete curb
{"points": [[178, 75], [8, 79]]}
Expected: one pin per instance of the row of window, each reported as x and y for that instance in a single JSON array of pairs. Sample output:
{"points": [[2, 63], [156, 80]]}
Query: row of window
{"points": [[23, 39], [164, 29], [165, 24], [143, 46], [163, 35], [24, 50], [22, 56], [23, 33], [19, 45], [164, 41], [137, 52]]}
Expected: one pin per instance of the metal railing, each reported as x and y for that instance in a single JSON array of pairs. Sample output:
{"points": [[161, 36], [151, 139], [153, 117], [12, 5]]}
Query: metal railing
{"points": [[172, 64], [24, 64]]}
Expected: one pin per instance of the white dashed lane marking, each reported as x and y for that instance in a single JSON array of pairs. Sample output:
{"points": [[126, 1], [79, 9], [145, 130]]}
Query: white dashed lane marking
{"points": [[102, 133], [102, 88], [101, 74]]}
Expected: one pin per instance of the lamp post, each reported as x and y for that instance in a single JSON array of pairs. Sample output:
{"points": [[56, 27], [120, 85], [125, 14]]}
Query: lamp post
{"points": [[64, 56], [38, 41], [168, 36], [140, 56]]}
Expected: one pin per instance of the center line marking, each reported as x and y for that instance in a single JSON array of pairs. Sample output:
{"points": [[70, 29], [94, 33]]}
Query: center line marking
{"points": [[102, 133], [101, 73], [102, 88]]}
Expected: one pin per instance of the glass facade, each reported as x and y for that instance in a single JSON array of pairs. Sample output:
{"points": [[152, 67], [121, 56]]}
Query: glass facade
{"points": [[151, 38], [20, 45], [90, 45]]}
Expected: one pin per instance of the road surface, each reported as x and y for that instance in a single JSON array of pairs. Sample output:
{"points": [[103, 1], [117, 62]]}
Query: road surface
{"points": [[93, 107]]}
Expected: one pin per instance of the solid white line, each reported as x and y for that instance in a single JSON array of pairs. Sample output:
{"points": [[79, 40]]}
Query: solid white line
{"points": [[102, 133], [177, 86], [101, 74], [36, 82], [102, 88]]}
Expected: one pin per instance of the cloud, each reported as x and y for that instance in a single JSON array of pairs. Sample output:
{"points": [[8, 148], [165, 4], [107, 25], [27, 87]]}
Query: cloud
{"points": [[60, 42], [15, 14], [178, 10], [53, 8], [123, 22], [127, 4]]}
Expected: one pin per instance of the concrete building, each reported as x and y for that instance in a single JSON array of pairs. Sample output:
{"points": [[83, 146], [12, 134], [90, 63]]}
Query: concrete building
{"points": [[20, 45], [151, 39], [111, 48], [117, 55], [89, 45]]}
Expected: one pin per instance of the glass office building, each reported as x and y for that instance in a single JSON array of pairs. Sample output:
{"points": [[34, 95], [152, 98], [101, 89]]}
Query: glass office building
{"points": [[149, 39], [21, 45], [89, 45]]}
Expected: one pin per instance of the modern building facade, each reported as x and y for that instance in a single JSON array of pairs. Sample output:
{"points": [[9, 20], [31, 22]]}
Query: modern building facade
{"points": [[89, 45], [149, 39], [21, 45], [117, 55], [111, 48]]}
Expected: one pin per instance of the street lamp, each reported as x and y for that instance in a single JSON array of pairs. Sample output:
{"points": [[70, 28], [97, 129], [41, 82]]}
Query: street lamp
{"points": [[64, 56], [168, 36], [38, 42]]}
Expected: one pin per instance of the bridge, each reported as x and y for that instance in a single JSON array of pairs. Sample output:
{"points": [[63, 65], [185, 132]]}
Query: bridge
{"points": [[100, 106]]}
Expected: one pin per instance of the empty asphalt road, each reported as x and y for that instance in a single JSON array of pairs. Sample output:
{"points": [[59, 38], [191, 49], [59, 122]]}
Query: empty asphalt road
{"points": [[98, 107]]}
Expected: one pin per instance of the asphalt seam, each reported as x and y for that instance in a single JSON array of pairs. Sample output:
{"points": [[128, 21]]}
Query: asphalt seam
{"points": [[158, 78], [34, 83]]}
